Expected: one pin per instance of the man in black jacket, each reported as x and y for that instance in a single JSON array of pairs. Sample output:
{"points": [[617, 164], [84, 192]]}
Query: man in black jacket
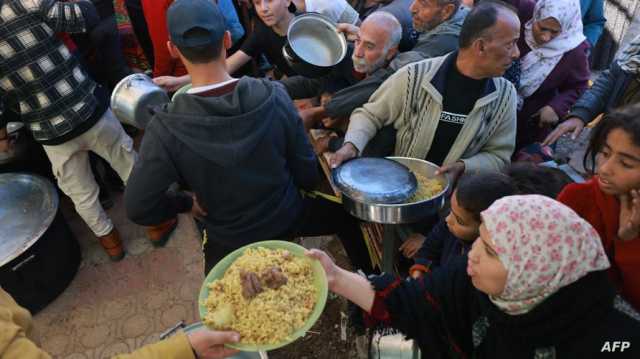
{"points": [[239, 144]]}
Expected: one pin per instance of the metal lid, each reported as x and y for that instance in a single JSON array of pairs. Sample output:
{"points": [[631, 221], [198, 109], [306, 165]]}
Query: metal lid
{"points": [[375, 180], [28, 205]]}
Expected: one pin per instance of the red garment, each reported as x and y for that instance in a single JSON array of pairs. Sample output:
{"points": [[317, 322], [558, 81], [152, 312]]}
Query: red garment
{"points": [[155, 13], [603, 211]]}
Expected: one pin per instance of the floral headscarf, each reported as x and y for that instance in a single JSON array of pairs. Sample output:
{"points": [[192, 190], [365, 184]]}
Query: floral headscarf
{"points": [[629, 59], [544, 245], [538, 64]]}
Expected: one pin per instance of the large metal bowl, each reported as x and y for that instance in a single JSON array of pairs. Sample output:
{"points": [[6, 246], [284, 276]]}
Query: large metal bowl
{"points": [[133, 97], [314, 45], [404, 213], [28, 205]]}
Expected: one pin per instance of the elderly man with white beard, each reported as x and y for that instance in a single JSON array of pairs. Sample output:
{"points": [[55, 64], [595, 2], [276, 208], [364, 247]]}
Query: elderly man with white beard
{"points": [[375, 44]]}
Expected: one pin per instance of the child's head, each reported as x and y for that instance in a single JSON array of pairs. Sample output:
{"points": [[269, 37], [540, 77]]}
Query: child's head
{"points": [[614, 148], [530, 178], [475, 193]]}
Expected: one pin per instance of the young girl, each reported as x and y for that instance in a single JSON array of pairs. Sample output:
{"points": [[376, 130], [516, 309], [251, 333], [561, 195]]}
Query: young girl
{"points": [[534, 286], [454, 236], [610, 201]]}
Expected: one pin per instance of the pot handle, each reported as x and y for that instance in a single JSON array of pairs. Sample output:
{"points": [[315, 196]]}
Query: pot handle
{"points": [[285, 53]]}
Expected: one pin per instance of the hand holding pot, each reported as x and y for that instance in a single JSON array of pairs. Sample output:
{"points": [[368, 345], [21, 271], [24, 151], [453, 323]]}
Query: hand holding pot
{"points": [[345, 153]]}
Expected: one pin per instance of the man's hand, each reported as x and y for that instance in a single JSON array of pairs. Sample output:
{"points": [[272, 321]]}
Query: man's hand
{"points": [[171, 83], [6, 144], [454, 171], [547, 117], [572, 124], [311, 116], [411, 246], [629, 216], [345, 153], [321, 145], [350, 31], [209, 344]]}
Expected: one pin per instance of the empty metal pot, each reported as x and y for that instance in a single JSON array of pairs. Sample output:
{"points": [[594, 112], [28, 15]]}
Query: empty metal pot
{"points": [[134, 97], [314, 45]]}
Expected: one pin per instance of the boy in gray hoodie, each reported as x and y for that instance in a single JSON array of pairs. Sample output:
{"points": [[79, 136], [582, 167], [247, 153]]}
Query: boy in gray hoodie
{"points": [[239, 145]]}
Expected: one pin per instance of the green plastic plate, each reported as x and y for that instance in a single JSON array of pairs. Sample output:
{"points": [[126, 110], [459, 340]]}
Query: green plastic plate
{"points": [[320, 282]]}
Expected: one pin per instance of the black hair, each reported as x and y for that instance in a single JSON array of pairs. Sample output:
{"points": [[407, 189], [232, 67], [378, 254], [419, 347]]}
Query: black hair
{"points": [[626, 119], [477, 191], [530, 178], [482, 17], [201, 54]]}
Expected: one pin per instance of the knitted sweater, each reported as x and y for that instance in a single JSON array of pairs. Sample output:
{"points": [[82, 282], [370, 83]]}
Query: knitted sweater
{"points": [[411, 101]]}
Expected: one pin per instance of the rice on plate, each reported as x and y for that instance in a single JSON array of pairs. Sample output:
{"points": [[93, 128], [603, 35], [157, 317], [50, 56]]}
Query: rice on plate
{"points": [[266, 294]]}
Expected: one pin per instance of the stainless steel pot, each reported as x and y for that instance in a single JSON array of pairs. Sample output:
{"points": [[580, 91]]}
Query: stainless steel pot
{"points": [[314, 45], [133, 98], [403, 213]]}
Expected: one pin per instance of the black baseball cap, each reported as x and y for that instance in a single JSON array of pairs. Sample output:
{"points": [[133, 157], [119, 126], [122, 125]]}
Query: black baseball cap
{"points": [[194, 23]]}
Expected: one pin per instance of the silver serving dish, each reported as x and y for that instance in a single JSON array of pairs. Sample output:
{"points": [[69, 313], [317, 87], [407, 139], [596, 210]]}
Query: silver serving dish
{"points": [[28, 205], [403, 213], [375, 180], [133, 97], [314, 45], [242, 355]]}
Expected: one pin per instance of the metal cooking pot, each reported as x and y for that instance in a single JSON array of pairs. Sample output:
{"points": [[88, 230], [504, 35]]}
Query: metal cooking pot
{"points": [[133, 98], [15, 131], [313, 45], [403, 213]]}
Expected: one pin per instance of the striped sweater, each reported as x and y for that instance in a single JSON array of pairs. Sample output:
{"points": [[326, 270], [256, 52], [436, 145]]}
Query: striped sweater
{"points": [[411, 101]]}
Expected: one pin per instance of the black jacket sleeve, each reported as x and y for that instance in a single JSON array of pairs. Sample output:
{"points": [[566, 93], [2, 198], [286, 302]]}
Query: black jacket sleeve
{"points": [[431, 251], [435, 310], [594, 101], [345, 101], [148, 198], [301, 158]]}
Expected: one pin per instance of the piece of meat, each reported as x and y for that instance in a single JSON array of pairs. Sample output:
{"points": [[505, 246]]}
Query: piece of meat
{"points": [[274, 278], [250, 284]]}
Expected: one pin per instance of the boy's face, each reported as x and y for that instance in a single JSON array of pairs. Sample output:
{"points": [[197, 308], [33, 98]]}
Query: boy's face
{"points": [[271, 12], [461, 222]]}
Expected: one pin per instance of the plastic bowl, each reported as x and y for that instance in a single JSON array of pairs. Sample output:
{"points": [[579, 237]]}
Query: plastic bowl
{"points": [[320, 282]]}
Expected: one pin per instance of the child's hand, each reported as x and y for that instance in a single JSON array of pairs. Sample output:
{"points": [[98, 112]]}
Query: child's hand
{"points": [[629, 216], [330, 268], [412, 245]]}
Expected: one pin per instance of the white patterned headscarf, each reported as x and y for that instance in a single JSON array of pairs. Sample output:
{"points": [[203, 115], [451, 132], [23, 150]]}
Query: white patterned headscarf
{"points": [[629, 59], [538, 64], [544, 245]]}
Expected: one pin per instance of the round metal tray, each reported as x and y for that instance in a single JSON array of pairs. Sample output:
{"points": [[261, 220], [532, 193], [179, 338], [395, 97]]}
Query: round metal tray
{"points": [[375, 180], [28, 205]]}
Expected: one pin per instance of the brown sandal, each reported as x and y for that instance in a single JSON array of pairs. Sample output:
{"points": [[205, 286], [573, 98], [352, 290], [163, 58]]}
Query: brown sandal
{"points": [[112, 245]]}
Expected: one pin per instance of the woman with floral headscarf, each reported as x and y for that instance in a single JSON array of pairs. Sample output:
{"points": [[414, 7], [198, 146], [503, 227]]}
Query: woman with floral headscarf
{"points": [[534, 286], [554, 68]]}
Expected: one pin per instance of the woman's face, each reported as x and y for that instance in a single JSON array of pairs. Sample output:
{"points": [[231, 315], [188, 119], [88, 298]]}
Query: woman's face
{"points": [[461, 222], [545, 30], [618, 164], [487, 272]]}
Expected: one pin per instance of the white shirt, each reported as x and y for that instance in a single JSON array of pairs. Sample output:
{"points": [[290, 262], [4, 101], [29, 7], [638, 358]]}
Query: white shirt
{"points": [[200, 89]]}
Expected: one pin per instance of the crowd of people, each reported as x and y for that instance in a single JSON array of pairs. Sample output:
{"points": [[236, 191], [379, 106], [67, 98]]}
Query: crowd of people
{"points": [[526, 264]]}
